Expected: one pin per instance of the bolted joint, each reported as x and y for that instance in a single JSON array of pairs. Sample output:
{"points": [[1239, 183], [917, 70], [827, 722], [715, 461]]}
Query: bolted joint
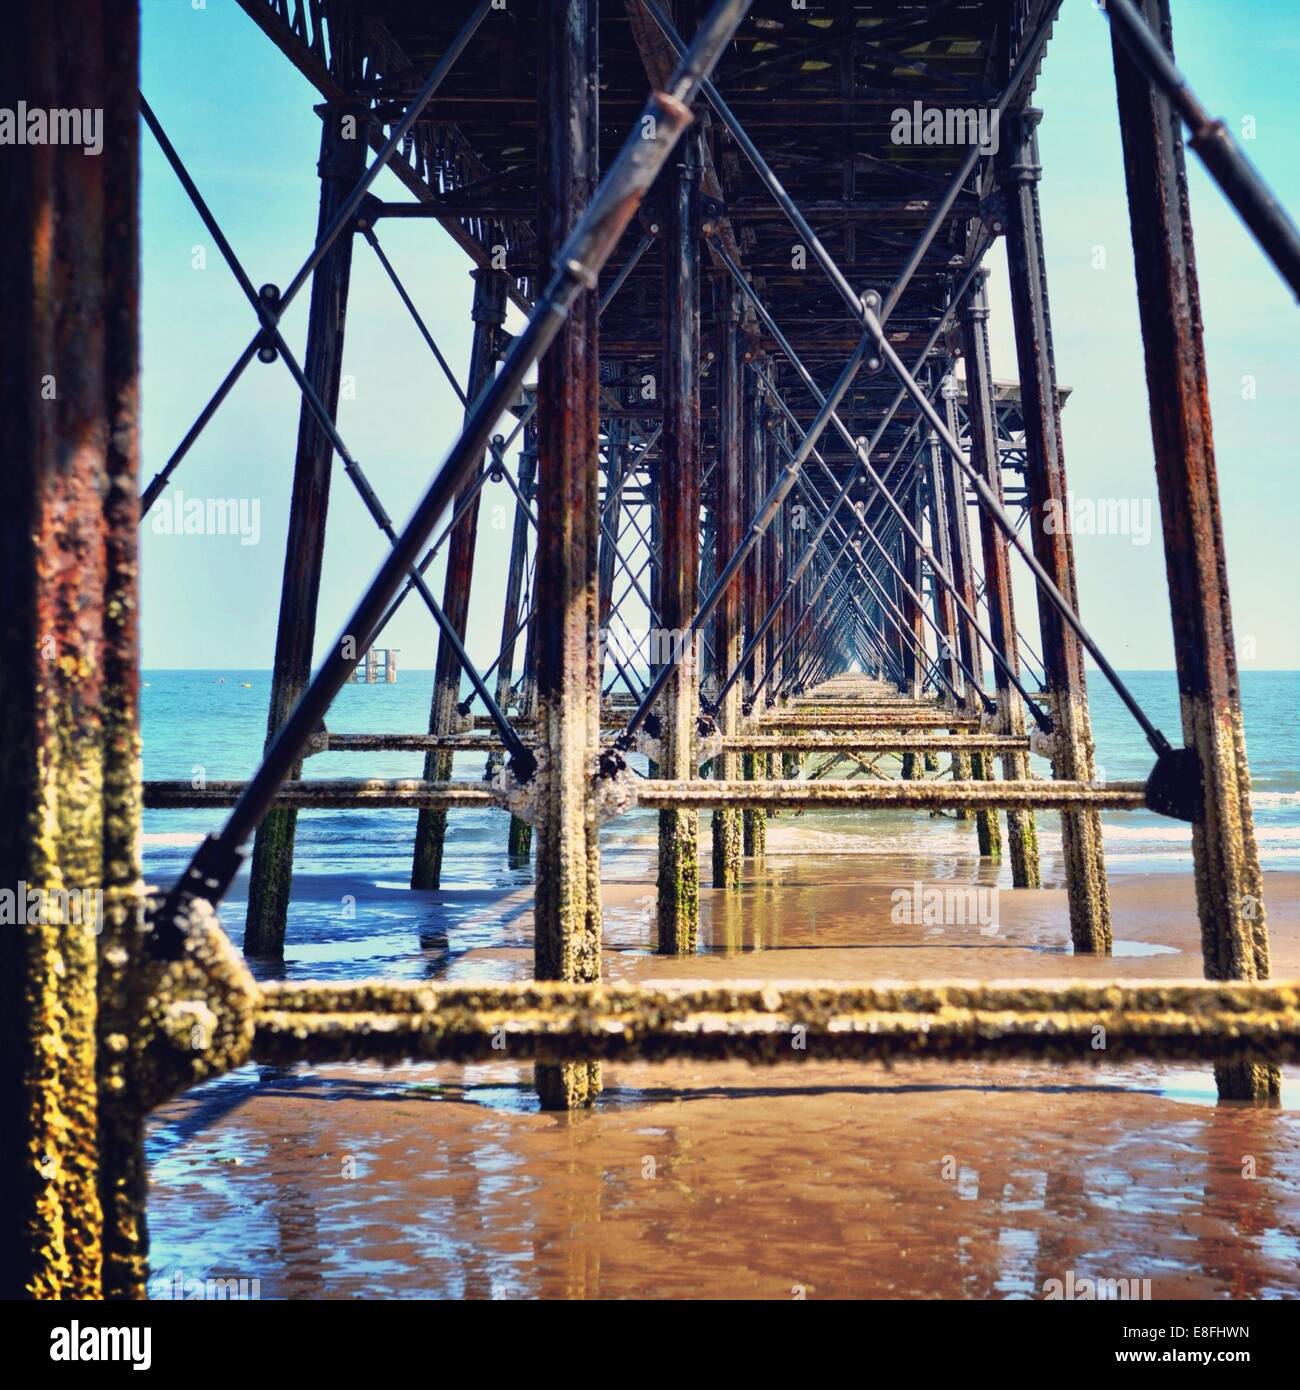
{"points": [[710, 213], [1175, 787], [207, 879], [496, 473], [489, 296], [370, 211], [872, 304], [993, 212], [266, 349], [522, 766], [610, 762], [975, 309]]}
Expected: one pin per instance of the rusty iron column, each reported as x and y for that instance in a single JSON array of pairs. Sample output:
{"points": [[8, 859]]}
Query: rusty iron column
{"points": [[978, 765], [1229, 887], [758, 597], [567, 896], [794, 526], [71, 1153], [955, 637], [1022, 832], [945, 610], [520, 839], [774, 549], [911, 565], [656, 532], [342, 161], [611, 514], [755, 583], [728, 634], [959, 549], [679, 520], [1072, 760], [489, 314]]}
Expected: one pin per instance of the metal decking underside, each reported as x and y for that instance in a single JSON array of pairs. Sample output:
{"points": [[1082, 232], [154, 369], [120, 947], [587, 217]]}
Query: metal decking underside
{"points": [[815, 92]]}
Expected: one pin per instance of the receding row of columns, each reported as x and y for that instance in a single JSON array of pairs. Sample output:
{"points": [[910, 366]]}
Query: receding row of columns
{"points": [[73, 1016], [933, 496]]}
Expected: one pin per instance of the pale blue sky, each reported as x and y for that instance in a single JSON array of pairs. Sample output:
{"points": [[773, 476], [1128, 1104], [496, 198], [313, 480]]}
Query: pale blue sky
{"points": [[242, 119]]}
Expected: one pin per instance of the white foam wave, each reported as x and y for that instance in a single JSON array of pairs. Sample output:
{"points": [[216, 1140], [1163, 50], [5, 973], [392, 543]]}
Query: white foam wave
{"points": [[172, 837], [1275, 798]]}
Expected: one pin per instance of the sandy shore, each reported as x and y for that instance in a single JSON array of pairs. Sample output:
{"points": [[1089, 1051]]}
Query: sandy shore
{"points": [[709, 1180]]}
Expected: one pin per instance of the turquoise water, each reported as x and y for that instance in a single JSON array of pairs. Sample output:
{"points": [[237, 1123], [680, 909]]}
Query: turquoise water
{"points": [[215, 721]]}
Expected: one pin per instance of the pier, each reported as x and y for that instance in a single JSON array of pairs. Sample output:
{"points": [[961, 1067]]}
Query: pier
{"points": [[766, 499]]}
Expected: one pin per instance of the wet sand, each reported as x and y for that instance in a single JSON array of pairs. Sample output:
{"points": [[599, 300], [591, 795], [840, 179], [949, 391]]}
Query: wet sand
{"points": [[725, 1181]]}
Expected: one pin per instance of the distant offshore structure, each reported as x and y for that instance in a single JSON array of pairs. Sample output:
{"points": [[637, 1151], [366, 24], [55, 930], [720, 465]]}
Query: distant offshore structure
{"points": [[367, 668]]}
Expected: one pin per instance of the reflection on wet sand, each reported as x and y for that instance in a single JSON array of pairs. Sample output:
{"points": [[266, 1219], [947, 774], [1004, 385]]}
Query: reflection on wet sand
{"points": [[718, 1180]]}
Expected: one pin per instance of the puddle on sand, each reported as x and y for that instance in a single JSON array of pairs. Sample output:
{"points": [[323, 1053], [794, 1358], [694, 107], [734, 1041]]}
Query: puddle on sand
{"points": [[1136, 949]]}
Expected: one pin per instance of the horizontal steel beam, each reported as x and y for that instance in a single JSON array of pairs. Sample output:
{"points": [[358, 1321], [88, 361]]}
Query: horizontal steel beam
{"points": [[794, 794], [750, 743], [776, 1021], [415, 793]]}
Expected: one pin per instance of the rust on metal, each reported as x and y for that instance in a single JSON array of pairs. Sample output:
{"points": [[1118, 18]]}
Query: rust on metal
{"points": [[1229, 884], [567, 894]]}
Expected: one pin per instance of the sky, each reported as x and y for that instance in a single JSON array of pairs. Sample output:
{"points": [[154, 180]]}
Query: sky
{"points": [[242, 119]]}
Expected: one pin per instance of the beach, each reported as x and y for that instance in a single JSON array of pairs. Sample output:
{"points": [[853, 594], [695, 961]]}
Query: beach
{"points": [[809, 1179]]}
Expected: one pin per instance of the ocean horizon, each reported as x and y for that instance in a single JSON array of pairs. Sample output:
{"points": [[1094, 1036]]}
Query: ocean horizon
{"points": [[212, 723]]}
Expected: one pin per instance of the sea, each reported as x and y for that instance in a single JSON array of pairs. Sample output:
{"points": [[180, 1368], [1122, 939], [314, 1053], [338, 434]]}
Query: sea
{"points": [[212, 723]]}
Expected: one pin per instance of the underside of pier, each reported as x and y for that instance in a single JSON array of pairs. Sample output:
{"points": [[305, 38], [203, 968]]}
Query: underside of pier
{"points": [[767, 502]]}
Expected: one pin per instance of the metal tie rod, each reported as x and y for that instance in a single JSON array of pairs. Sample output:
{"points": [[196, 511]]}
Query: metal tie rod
{"points": [[211, 871], [343, 218], [770, 506], [1240, 181], [326, 424], [989, 500]]}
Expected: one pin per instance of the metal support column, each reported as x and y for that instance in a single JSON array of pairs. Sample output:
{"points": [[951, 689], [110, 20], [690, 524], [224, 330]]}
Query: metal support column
{"points": [[489, 314], [521, 833], [1229, 890], [757, 593], [1022, 832], [972, 654], [679, 541], [1085, 870], [945, 610], [71, 1118], [728, 530], [567, 898], [343, 151]]}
